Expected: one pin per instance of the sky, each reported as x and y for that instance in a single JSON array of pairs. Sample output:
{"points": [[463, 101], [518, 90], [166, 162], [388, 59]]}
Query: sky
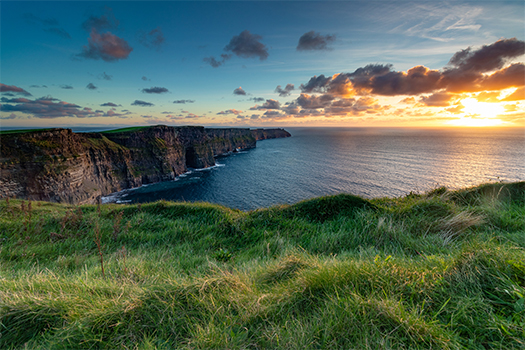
{"points": [[262, 63]]}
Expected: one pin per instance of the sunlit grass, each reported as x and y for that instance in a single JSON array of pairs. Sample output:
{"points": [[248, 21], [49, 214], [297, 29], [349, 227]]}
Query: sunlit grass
{"points": [[440, 270]]}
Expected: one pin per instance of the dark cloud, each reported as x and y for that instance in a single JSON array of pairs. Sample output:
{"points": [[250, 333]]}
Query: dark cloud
{"points": [[109, 104], [38, 86], [314, 41], [107, 21], [142, 103], [183, 101], [106, 46], [155, 90], [415, 81], [316, 84], [152, 39], [66, 87], [13, 89], [511, 76], [488, 57], [105, 76], [47, 108], [90, 86], [145, 78], [239, 91], [273, 115], [269, 104], [58, 31], [212, 61], [286, 91], [247, 45], [257, 99], [314, 102]]}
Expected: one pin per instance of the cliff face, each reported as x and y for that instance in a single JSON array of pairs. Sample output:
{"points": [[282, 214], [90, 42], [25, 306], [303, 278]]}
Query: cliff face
{"points": [[61, 166], [264, 134]]}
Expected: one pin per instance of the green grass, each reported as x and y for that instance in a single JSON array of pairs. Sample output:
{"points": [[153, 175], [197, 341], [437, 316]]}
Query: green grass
{"points": [[440, 270], [130, 129], [22, 131]]}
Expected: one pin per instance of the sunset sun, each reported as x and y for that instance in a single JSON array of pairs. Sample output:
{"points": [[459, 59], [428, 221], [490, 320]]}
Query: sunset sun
{"points": [[479, 114]]}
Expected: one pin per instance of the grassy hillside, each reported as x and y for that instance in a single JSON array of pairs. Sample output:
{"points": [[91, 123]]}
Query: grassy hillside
{"points": [[441, 270]]}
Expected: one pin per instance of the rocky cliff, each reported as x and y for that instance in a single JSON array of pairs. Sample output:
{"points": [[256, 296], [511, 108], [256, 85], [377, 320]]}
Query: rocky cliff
{"points": [[264, 134], [62, 166]]}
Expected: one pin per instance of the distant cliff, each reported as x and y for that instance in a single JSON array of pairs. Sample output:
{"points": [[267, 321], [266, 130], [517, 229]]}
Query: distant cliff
{"points": [[263, 134], [59, 165]]}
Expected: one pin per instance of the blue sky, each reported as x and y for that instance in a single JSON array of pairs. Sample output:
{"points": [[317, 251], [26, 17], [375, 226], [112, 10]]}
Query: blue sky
{"points": [[127, 62]]}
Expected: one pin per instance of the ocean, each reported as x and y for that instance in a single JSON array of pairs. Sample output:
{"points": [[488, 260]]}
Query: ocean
{"points": [[369, 162]]}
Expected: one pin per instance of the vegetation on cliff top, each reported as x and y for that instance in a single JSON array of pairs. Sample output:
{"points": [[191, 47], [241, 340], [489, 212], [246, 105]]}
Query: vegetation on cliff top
{"points": [[440, 270]]}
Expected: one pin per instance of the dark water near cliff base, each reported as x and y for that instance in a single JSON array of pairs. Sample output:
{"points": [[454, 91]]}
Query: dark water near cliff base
{"points": [[370, 162]]}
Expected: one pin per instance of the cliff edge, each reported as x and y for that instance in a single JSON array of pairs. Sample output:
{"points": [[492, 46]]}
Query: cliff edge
{"points": [[59, 165]]}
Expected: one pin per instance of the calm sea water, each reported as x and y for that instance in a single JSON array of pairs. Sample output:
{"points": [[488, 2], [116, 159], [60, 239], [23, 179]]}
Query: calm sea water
{"points": [[370, 162]]}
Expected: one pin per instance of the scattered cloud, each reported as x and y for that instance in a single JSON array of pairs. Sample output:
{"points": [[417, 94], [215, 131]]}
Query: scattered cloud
{"points": [[286, 91], [66, 87], [109, 104], [38, 86], [437, 22], [468, 71], [58, 31], [155, 90], [230, 111], [50, 25], [31, 18], [90, 86], [105, 76], [314, 41], [107, 21], [145, 78], [269, 104], [257, 99], [142, 103], [239, 91], [46, 108], [183, 101], [152, 39], [13, 89], [212, 61], [247, 45], [106, 46], [10, 116]]}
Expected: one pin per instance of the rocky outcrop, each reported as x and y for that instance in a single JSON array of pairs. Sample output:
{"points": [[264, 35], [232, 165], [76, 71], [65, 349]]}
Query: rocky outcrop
{"points": [[59, 165], [264, 134]]}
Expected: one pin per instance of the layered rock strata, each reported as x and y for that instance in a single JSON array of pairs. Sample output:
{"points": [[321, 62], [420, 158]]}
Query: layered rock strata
{"points": [[59, 165]]}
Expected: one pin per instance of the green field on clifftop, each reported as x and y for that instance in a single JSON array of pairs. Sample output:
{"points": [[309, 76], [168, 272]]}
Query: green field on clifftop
{"points": [[439, 270]]}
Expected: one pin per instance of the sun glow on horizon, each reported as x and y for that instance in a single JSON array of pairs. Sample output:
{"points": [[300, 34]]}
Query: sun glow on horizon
{"points": [[479, 114]]}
